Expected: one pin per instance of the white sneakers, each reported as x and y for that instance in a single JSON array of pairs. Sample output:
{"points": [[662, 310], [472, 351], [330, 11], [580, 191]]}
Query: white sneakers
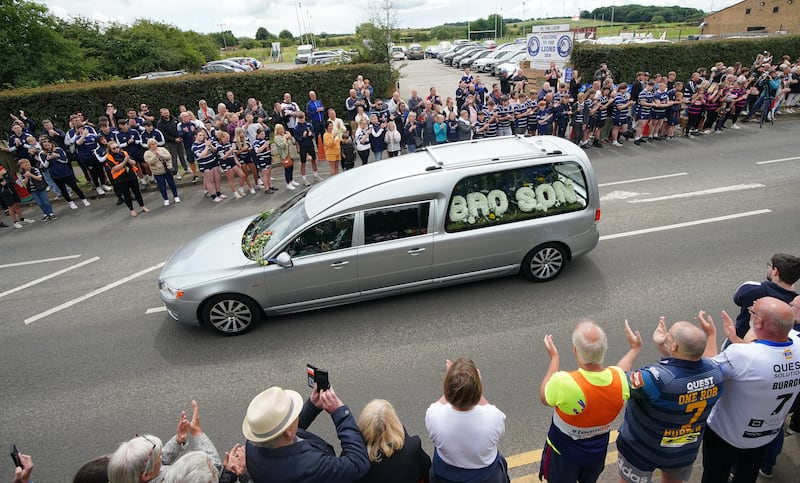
{"points": [[295, 183], [166, 202], [177, 199], [735, 126], [72, 205], [17, 224], [85, 202], [316, 177], [252, 191], [107, 187], [290, 186], [178, 176], [100, 191], [236, 195]]}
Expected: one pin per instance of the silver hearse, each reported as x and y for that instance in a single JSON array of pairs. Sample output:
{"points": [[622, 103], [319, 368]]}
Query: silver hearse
{"points": [[448, 214]]}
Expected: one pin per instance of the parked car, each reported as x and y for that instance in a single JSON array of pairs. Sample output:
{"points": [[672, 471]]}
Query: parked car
{"points": [[303, 53], [236, 65], [490, 44], [479, 64], [447, 59], [322, 57], [431, 52], [443, 48], [467, 61], [251, 61], [465, 53], [218, 68], [160, 74], [510, 65], [453, 213], [502, 57], [398, 52], [415, 52]]}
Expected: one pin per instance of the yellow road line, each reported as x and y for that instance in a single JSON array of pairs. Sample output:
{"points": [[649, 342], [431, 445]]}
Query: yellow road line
{"points": [[531, 457], [611, 458]]}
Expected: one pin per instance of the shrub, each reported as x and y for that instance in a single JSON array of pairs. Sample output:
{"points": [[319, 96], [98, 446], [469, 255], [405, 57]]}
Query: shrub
{"points": [[331, 83], [684, 58]]}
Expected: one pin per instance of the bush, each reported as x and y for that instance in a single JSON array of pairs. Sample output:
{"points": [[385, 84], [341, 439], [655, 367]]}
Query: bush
{"points": [[684, 58], [331, 83]]}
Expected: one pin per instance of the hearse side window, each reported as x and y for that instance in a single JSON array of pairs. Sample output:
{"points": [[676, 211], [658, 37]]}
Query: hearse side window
{"points": [[396, 222], [515, 195], [331, 234]]}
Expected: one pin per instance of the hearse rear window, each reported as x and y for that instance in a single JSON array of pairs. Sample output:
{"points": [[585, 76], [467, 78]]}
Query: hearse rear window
{"points": [[516, 195]]}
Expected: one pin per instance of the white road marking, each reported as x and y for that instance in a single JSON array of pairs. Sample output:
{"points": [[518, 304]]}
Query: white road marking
{"points": [[621, 195], [781, 160], [722, 189], [91, 294], [49, 276], [684, 225], [155, 310], [637, 180], [43, 260]]}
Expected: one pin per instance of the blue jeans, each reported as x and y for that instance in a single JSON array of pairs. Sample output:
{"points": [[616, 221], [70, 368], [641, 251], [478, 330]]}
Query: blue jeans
{"points": [[411, 147], [49, 180], [162, 180], [43, 202], [378, 155]]}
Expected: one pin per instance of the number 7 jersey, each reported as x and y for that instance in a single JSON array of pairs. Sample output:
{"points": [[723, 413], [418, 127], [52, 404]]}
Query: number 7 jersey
{"points": [[762, 379]]}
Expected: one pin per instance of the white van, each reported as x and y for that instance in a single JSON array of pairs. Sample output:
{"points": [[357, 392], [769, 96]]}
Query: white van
{"points": [[447, 214], [303, 53]]}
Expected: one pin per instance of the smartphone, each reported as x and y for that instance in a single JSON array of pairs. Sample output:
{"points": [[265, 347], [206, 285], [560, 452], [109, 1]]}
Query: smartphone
{"points": [[15, 456], [320, 376]]}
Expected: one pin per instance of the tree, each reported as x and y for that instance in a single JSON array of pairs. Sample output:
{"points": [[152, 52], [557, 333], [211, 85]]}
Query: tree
{"points": [[286, 38], [225, 39], [378, 32], [263, 34], [33, 50]]}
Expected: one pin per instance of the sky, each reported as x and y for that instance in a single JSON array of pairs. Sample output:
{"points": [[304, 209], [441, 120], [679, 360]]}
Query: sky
{"points": [[244, 17]]}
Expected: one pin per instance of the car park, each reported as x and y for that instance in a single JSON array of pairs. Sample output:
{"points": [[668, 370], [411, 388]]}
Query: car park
{"points": [[479, 64], [501, 57], [448, 214], [415, 52]]}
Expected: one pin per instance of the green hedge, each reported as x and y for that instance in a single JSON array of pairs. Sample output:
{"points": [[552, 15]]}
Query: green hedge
{"points": [[331, 83], [684, 58]]}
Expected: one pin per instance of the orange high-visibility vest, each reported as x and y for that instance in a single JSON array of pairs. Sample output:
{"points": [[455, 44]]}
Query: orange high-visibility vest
{"points": [[601, 406], [117, 174]]}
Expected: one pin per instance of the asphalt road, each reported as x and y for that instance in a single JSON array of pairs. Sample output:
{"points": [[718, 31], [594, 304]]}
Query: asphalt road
{"points": [[683, 223]]}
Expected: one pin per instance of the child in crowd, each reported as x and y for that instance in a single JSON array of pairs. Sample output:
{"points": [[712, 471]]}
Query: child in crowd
{"points": [[205, 153], [543, 118], [33, 179], [348, 152], [10, 198], [578, 119], [263, 160], [229, 165], [393, 138], [452, 127], [241, 150]]}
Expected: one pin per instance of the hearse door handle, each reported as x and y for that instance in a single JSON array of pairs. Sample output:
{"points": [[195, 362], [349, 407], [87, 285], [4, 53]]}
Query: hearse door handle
{"points": [[339, 265], [416, 251]]}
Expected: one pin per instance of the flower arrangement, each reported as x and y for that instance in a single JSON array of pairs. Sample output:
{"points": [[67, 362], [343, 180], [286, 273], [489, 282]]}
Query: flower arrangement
{"points": [[253, 246]]}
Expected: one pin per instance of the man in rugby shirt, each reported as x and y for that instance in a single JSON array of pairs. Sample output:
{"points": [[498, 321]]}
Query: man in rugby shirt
{"points": [[505, 115], [521, 112], [645, 105], [670, 401], [659, 111], [621, 104], [761, 384]]}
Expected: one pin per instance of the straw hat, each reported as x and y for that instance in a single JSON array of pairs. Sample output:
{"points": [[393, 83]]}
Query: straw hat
{"points": [[271, 413]]}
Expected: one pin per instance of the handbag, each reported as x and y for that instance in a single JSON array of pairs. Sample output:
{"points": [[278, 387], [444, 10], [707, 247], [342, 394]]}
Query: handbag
{"points": [[287, 162]]}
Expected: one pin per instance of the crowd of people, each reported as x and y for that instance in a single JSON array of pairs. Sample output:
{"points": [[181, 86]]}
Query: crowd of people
{"points": [[241, 143], [733, 403]]}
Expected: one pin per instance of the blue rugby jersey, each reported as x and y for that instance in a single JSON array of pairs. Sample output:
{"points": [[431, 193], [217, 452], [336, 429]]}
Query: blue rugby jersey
{"points": [[666, 415]]}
